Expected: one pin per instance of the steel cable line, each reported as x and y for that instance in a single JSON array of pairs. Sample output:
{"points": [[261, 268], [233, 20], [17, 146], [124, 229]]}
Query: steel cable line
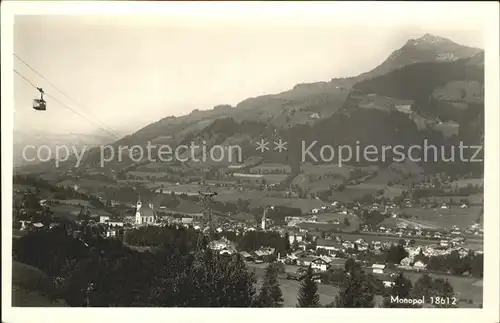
{"points": [[63, 104], [108, 129], [25, 79]]}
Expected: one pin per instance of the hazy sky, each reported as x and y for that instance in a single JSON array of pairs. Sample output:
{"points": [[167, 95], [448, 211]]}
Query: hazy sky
{"points": [[131, 72]]}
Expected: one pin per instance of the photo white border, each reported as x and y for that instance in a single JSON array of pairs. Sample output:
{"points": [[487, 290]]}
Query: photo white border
{"points": [[192, 12]]}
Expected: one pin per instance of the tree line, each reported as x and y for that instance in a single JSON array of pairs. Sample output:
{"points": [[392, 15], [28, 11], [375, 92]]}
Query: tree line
{"points": [[183, 272]]}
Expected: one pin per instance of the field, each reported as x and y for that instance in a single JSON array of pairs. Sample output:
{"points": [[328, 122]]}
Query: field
{"points": [[469, 181], [382, 238], [90, 184], [182, 188], [152, 185], [25, 298], [445, 218], [66, 211], [75, 202], [274, 178], [302, 180], [259, 199], [306, 205], [383, 177], [464, 287], [241, 216], [154, 166], [145, 175], [393, 191], [474, 199], [233, 196], [161, 140], [50, 176], [354, 192], [132, 181], [270, 167], [447, 129], [30, 287], [353, 220], [326, 169], [290, 288]]}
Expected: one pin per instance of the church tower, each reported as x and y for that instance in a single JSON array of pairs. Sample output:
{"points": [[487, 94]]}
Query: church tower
{"points": [[137, 211], [263, 222]]}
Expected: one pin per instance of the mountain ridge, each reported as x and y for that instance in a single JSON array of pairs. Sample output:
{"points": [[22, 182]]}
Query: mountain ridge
{"points": [[304, 103]]}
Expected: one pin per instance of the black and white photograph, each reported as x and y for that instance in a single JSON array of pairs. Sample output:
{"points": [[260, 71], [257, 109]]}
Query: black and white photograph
{"points": [[251, 158]]}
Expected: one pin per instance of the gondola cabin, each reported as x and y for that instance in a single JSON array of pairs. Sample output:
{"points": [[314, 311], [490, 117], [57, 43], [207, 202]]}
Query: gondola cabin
{"points": [[40, 104]]}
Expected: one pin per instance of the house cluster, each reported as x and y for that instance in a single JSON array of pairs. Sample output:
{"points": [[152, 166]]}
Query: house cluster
{"points": [[318, 263], [258, 256], [337, 244], [223, 246]]}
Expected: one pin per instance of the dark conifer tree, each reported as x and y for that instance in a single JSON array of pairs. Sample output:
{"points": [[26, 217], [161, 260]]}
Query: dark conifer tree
{"points": [[402, 289], [270, 292], [308, 293]]}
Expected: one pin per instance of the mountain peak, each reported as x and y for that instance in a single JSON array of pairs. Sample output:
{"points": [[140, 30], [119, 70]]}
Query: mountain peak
{"points": [[427, 48], [429, 39], [433, 39]]}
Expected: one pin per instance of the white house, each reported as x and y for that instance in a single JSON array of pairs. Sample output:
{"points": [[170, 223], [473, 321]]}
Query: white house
{"points": [[319, 264], [444, 243], [329, 245], [292, 238], [378, 268], [405, 262], [419, 265], [307, 261], [348, 244], [404, 106], [114, 223], [388, 283], [462, 252], [226, 252], [103, 219]]}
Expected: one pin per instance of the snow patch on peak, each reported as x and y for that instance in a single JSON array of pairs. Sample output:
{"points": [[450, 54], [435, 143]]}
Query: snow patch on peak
{"points": [[428, 38]]}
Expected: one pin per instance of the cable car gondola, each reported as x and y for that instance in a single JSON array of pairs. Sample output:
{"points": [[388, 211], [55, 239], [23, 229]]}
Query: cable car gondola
{"points": [[40, 104]]}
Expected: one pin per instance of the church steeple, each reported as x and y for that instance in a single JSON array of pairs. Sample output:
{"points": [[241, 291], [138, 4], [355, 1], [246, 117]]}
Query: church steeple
{"points": [[139, 204]]}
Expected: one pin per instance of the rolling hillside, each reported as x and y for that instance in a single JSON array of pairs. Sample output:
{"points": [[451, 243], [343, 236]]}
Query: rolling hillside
{"points": [[444, 79]]}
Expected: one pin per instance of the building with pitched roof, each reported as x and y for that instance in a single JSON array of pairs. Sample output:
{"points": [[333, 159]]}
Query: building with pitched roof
{"points": [[144, 214]]}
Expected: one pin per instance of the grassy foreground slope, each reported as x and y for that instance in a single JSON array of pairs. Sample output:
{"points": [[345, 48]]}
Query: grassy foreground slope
{"points": [[31, 287]]}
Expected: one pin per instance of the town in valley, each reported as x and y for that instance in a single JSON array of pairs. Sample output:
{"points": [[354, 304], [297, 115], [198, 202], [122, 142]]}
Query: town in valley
{"points": [[270, 229]]}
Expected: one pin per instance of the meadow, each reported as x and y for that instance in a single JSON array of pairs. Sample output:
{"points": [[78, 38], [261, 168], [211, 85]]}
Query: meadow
{"points": [[326, 169], [445, 218], [306, 205], [465, 288], [30, 287], [274, 178], [354, 221], [270, 167], [468, 181]]}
